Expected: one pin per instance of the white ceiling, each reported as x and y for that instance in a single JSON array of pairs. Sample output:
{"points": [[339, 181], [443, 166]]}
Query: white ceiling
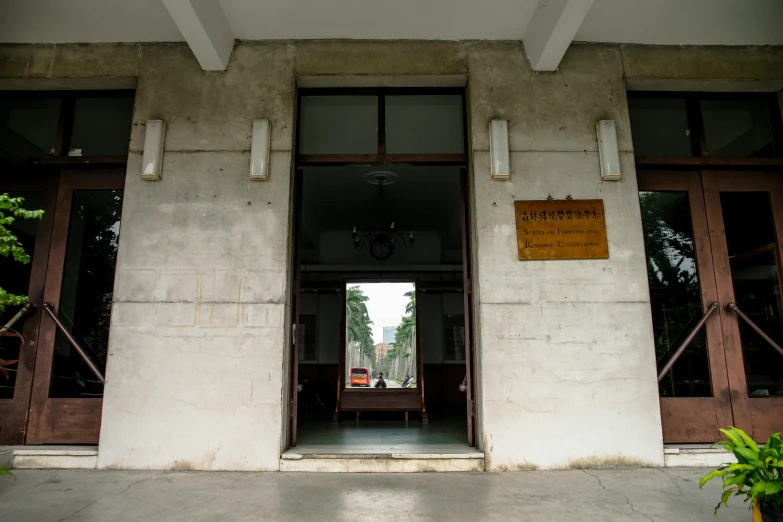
{"points": [[665, 22]]}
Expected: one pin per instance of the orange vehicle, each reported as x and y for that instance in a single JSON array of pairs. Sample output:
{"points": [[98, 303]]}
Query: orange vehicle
{"points": [[360, 377]]}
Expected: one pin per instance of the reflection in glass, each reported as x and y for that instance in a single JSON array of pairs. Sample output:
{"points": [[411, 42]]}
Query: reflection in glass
{"points": [[755, 274], [369, 361], [660, 127], [28, 126], [674, 292], [454, 337], [737, 128], [15, 279], [102, 125], [426, 124], [87, 289], [338, 125], [308, 344]]}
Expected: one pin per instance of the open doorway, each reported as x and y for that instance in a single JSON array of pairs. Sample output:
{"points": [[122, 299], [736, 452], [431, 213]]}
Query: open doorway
{"points": [[383, 353]]}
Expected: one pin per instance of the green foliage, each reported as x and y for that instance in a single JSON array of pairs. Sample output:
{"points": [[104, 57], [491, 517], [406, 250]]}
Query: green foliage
{"points": [[758, 474], [5, 472], [358, 323], [11, 210]]}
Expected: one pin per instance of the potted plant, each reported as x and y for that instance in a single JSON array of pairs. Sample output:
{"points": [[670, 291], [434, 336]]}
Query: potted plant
{"points": [[757, 476]]}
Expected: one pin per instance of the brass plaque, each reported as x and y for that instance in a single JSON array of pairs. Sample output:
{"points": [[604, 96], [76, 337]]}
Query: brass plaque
{"points": [[561, 229]]}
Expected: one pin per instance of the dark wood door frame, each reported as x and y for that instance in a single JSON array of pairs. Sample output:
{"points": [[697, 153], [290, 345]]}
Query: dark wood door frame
{"points": [[467, 296], [13, 412], [760, 416], [61, 420], [696, 419]]}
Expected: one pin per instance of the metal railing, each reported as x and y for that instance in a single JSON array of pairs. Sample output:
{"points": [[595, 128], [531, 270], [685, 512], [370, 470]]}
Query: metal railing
{"points": [[714, 305], [732, 307], [50, 309], [26, 309]]}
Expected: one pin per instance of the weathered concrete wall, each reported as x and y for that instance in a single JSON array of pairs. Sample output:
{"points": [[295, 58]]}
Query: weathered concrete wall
{"points": [[196, 367], [566, 346], [196, 351]]}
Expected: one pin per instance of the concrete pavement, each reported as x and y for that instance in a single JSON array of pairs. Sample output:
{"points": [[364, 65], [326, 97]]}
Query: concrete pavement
{"points": [[579, 495]]}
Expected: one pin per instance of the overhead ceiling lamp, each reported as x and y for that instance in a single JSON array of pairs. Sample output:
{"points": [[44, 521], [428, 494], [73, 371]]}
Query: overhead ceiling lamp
{"points": [[608, 152], [381, 238]]}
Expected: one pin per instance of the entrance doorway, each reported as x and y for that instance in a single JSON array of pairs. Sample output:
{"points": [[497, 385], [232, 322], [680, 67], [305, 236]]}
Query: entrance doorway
{"points": [[382, 271], [712, 229], [64, 153]]}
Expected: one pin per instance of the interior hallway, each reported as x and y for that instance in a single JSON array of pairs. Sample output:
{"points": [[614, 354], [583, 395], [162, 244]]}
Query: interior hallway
{"points": [[669, 494]]}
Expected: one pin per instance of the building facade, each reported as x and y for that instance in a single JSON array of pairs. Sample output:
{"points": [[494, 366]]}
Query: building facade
{"points": [[198, 366]]}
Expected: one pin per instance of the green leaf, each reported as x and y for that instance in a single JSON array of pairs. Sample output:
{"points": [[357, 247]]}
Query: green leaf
{"points": [[750, 442], [711, 475], [735, 480]]}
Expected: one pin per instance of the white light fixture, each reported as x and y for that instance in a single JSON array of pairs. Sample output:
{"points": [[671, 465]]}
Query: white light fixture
{"points": [[498, 150], [608, 152], [259, 150], [152, 159]]}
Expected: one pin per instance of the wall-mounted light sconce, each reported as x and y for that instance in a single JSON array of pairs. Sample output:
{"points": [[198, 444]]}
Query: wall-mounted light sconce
{"points": [[498, 150], [259, 150], [152, 159], [608, 152]]}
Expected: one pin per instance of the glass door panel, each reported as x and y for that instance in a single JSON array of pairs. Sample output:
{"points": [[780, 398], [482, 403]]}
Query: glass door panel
{"points": [[694, 392], [15, 279], [674, 292], [755, 276], [86, 293]]}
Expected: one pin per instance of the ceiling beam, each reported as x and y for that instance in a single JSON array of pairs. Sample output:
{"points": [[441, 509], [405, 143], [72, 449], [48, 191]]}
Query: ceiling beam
{"points": [[205, 27], [551, 31]]}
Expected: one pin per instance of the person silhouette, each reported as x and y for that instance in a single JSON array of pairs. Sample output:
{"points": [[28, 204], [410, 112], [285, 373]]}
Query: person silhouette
{"points": [[380, 383]]}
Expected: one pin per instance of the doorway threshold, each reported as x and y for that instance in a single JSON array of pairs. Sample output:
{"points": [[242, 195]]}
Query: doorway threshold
{"points": [[696, 455], [379, 458]]}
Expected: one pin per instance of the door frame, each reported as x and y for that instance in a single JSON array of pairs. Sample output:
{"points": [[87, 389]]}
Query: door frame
{"points": [[64, 420], [696, 419], [750, 413], [13, 412], [381, 159]]}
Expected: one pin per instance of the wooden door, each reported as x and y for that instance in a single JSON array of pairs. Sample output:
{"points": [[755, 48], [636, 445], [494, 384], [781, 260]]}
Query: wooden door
{"points": [[467, 293], [694, 395], [745, 214], [296, 299], [66, 402], [40, 193]]}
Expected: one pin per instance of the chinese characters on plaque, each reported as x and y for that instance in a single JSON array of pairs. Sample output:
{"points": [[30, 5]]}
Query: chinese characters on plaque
{"points": [[561, 229]]}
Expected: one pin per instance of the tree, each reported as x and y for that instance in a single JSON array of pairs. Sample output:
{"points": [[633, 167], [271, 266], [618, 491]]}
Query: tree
{"points": [[10, 210], [357, 321]]}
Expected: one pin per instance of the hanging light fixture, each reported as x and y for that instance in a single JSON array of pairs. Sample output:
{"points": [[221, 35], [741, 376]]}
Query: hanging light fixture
{"points": [[382, 236]]}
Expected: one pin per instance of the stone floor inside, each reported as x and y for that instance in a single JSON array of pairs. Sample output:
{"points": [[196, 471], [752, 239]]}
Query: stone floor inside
{"points": [[591, 495], [445, 432]]}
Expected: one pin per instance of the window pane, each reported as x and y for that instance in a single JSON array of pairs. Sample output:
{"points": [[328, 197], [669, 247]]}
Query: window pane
{"points": [[737, 128], [87, 290], [28, 126], [15, 279], [674, 292], [424, 124], [755, 274], [101, 126], [338, 125], [660, 127]]}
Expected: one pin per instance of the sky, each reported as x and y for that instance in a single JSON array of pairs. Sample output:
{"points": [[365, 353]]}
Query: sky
{"points": [[386, 305]]}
